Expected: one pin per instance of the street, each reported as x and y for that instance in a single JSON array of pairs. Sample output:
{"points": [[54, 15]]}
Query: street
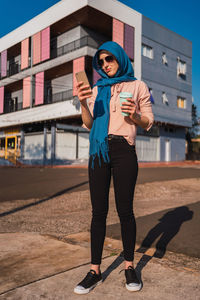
{"points": [[26, 183]]}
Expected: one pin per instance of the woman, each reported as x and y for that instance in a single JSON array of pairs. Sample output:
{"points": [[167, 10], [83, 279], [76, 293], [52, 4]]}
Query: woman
{"points": [[112, 147]]}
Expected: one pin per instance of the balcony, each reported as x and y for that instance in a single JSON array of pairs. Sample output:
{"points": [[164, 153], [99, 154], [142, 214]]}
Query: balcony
{"points": [[58, 97], [14, 68], [75, 45], [62, 96], [12, 105]]}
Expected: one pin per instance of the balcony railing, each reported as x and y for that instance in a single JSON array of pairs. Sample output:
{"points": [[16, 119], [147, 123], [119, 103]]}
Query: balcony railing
{"points": [[12, 105], [75, 45], [14, 68], [58, 97]]}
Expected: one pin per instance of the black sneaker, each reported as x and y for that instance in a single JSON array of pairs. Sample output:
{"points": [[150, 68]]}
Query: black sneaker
{"points": [[133, 284], [91, 280]]}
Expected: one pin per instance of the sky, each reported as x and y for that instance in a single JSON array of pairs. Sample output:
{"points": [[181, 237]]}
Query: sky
{"points": [[180, 16]]}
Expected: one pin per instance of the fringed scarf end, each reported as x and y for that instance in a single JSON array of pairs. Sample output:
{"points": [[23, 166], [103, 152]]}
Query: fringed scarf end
{"points": [[99, 149]]}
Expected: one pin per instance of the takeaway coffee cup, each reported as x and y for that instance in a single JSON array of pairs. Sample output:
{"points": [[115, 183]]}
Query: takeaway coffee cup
{"points": [[123, 98]]}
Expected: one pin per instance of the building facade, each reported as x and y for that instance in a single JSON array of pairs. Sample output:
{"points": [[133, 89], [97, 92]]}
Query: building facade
{"points": [[40, 117]]}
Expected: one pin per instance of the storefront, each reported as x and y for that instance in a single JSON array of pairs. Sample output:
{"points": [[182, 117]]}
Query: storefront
{"points": [[10, 144]]}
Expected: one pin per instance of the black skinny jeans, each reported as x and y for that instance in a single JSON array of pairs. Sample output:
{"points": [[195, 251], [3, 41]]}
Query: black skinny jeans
{"points": [[124, 166]]}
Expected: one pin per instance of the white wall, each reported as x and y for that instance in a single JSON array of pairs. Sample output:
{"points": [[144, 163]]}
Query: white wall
{"points": [[83, 143], [148, 148], [33, 146], [65, 145]]}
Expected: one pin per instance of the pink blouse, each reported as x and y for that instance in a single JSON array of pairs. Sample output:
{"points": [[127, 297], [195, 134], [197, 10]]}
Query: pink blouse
{"points": [[118, 124]]}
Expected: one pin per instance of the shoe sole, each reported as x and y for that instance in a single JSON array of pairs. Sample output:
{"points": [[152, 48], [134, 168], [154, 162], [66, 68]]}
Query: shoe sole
{"points": [[86, 291], [134, 288]]}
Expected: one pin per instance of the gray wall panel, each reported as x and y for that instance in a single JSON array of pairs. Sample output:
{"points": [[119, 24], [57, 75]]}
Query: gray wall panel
{"points": [[163, 78], [166, 37], [171, 113], [177, 140]]}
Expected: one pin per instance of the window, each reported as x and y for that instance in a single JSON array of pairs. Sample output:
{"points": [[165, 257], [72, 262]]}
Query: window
{"points": [[181, 102], [181, 67], [11, 143], [164, 98], [147, 51], [164, 59]]}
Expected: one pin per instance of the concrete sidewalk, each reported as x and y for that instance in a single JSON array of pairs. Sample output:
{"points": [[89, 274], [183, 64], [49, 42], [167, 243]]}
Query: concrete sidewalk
{"points": [[35, 266]]}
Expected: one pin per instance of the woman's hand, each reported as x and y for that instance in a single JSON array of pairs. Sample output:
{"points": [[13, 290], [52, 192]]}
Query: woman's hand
{"points": [[129, 107], [84, 91]]}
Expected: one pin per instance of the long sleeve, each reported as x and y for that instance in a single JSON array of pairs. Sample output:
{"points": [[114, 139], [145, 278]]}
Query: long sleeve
{"points": [[145, 105]]}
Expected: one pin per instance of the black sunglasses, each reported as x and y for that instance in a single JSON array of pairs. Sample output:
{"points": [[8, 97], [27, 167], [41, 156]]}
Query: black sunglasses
{"points": [[108, 59]]}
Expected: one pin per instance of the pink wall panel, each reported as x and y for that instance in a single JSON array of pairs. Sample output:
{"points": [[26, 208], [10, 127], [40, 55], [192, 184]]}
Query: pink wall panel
{"points": [[37, 48], [118, 32], [39, 88], [26, 92], [24, 53], [96, 76], [129, 33], [4, 63], [1, 99], [45, 45], [78, 65]]}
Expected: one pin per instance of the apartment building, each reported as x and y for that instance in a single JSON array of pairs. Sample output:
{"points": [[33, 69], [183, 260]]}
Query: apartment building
{"points": [[40, 117]]}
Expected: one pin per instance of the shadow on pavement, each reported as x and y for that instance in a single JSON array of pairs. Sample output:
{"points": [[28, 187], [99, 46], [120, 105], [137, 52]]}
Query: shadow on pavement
{"points": [[167, 228], [116, 263], [42, 200]]}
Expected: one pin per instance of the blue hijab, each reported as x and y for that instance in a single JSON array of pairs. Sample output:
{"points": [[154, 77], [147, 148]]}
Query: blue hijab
{"points": [[101, 112]]}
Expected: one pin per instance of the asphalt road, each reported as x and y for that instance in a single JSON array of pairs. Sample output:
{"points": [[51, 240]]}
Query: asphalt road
{"points": [[28, 183]]}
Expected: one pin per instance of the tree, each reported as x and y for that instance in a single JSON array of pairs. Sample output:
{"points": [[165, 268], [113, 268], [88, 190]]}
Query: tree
{"points": [[193, 131]]}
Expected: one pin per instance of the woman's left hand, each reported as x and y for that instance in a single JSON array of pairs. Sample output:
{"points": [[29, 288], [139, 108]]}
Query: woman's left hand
{"points": [[129, 107]]}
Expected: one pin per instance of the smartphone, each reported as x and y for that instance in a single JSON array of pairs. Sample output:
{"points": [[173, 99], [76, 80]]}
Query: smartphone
{"points": [[81, 76]]}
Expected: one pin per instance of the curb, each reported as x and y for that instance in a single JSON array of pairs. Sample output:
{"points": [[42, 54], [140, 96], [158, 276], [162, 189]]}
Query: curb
{"points": [[141, 165]]}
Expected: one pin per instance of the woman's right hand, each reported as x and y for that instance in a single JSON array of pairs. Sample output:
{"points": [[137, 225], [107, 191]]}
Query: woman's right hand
{"points": [[84, 91]]}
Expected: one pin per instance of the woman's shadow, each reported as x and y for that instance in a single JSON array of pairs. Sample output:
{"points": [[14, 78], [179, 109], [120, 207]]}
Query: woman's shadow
{"points": [[168, 226]]}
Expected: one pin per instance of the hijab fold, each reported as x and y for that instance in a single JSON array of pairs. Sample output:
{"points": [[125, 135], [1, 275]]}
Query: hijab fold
{"points": [[101, 113]]}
